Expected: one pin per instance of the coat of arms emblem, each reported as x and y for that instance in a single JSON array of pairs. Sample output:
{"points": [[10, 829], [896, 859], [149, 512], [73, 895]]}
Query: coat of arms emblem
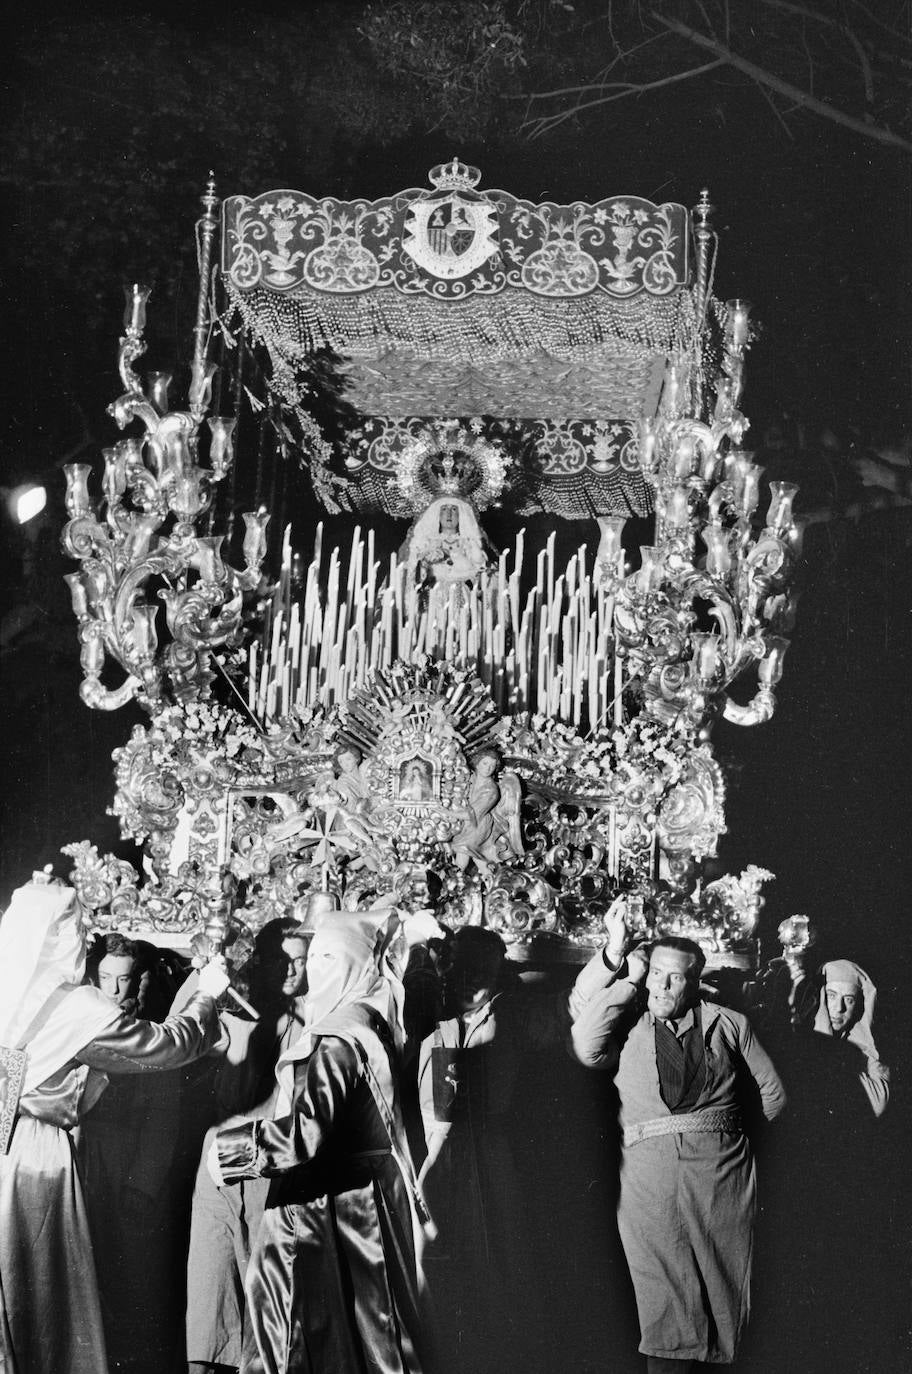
{"points": [[453, 230]]}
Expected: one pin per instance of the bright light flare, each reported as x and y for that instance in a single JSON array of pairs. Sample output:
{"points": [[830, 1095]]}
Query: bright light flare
{"points": [[29, 503]]}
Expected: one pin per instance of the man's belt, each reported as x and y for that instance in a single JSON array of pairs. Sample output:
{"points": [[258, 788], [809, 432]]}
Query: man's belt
{"points": [[724, 1119]]}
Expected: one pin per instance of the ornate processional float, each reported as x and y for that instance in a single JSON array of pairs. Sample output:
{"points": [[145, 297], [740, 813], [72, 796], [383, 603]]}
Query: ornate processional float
{"points": [[507, 734]]}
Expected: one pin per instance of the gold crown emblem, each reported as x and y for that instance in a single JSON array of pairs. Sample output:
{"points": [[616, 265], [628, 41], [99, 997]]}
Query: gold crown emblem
{"points": [[454, 176]]}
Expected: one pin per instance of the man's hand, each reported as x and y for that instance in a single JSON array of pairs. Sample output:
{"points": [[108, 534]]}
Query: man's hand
{"points": [[616, 925], [213, 979], [419, 927]]}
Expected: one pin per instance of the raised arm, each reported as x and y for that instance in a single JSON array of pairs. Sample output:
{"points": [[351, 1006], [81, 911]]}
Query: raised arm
{"points": [[603, 992], [134, 1046]]}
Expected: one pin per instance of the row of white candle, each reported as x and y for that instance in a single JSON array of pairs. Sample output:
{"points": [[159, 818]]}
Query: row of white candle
{"points": [[550, 650]]}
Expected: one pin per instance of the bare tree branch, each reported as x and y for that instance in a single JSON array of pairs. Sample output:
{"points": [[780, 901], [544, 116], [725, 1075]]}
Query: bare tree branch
{"points": [[810, 102], [875, 19], [622, 55], [767, 96], [620, 90], [848, 34]]}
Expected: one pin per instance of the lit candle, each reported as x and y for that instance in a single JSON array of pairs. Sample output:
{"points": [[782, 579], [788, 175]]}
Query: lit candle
{"points": [[671, 391], [646, 445], [208, 558], [176, 457], [684, 458], [705, 655], [796, 537], [779, 515], [138, 536], [158, 390], [135, 312], [221, 449], [737, 328], [201, 386], [718, 554], [737, 463], [750, 489], [723, 399], [77, 492], [709, 465], [115, 477], [132, 450], [184, 497], [649, 577], [610, 548], [255, 537], [678, 509]]}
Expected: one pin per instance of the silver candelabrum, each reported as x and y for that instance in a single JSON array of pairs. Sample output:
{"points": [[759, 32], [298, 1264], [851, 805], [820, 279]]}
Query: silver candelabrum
{"points": [[142, 551], [712, 595]]}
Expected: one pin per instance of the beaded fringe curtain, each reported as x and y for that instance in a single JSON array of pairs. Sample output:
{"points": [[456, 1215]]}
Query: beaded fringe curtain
{"points": [[454, 302]]}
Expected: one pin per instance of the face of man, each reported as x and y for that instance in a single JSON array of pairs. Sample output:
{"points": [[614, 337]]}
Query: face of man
{"points": [[117, 977], [672, 983], [469, 982], [843, 1004], [294, 960]]}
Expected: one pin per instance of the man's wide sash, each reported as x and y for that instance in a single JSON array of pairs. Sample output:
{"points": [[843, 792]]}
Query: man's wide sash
{"points": [[722, 1119]]}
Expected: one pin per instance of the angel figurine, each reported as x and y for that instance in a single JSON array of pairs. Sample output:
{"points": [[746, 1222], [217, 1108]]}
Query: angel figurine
{"points": [[491, 830]]}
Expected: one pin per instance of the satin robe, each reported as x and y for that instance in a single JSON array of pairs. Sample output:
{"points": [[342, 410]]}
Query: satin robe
{"points": [[50, 1316], [332, 1286]]}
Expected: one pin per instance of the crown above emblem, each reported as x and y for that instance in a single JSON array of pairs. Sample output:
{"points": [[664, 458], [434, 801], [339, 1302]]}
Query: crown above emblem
{"points": [[454, 176]]}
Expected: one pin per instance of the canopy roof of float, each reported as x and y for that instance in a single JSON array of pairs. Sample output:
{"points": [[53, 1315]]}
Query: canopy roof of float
{"points": [[455, 302]]}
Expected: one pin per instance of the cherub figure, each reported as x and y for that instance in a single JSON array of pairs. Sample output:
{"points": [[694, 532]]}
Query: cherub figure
{"points": [[491, 831], [347, 792]]}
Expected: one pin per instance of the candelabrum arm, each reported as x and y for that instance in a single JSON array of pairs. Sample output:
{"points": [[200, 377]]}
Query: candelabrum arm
{"points": [[101, 698], [132, 406], [756, 712]]}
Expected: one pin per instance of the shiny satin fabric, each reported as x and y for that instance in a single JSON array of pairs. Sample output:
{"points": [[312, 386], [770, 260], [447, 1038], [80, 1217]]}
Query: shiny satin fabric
{"points": [[49, 1308], [332, 1286], [50, 1319]]}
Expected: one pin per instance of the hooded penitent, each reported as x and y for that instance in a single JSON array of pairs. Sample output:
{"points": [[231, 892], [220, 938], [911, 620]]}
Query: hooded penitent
{"points": [[44, 1009]]}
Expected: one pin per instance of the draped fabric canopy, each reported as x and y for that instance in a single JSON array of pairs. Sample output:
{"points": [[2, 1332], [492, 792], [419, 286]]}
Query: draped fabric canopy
{"points": [[455, 302]]}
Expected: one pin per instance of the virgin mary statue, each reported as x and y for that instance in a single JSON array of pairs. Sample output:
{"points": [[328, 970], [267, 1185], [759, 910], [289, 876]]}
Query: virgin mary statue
{"points": [[444, 544]]}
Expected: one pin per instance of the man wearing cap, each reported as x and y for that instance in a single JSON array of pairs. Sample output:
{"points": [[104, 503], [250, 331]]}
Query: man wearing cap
{"points": [[685, 1071]]}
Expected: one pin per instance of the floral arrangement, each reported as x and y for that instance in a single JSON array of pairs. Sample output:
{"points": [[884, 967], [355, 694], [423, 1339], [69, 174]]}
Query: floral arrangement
{"points": [[597, 764]]}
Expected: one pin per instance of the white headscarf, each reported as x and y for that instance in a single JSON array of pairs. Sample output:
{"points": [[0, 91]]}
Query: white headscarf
{"points": [[861, 1032], [44, 1010], [426, 542]]}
